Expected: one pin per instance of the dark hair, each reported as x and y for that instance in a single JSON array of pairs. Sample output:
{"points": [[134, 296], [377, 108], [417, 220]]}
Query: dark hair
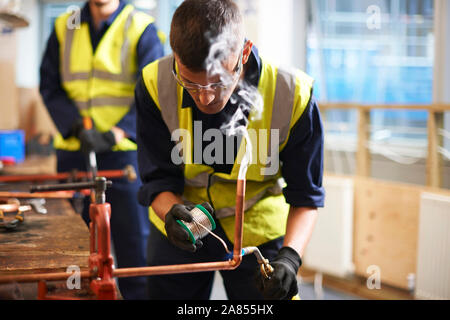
{"points": [[195, 25]]}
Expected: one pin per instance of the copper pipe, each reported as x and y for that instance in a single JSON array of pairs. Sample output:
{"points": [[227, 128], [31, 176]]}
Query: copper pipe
{"points": [[44, 195], [130, 272], [9, 207], [35, 177], [57, 276], [174, 269], [14, 207], [239, 218], [128, 172]]}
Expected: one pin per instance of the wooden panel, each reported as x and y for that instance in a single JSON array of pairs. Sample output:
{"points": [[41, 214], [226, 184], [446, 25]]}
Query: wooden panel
{"points": [[435, 141], [9, 119], [356, 286], [386, 229], [46, 243], [34, 118]]}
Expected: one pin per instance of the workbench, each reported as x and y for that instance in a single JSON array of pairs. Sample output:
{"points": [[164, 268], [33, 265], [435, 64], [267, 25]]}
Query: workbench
{"points": [[46, 243]]}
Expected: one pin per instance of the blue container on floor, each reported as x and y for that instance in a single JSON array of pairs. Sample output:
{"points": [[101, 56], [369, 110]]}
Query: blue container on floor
{"points": [[12, 145]]}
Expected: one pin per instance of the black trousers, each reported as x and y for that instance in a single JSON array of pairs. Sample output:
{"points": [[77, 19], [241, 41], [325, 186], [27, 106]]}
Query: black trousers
{"points": [[239, 283]]}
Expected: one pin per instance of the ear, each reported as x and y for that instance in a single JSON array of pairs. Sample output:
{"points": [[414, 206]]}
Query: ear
{"points": [[247, 51]]}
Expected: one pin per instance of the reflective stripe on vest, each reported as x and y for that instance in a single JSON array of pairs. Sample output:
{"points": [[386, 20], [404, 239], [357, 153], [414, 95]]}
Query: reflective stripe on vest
{"points": [[108, 101]]}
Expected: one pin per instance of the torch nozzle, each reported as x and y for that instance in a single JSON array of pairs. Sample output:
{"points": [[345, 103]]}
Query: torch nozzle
{"points": [[266, 268]]}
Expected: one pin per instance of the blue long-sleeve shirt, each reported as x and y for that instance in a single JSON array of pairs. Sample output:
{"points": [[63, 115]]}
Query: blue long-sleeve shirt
{"points": [[301, 159], [61, 108]]}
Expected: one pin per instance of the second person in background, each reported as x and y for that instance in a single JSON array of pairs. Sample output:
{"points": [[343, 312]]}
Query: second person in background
{"points": [[89, 69]]}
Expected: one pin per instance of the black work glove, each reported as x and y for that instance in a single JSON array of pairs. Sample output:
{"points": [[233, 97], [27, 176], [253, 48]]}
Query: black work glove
{"points": [[93, 140], [176, 234], [282, 285], [76, 128]]}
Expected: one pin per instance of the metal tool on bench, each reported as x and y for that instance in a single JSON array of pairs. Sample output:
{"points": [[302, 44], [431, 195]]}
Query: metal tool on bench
{"points": [[13, 206], [78, 186], [44, 195], [38, 205]]}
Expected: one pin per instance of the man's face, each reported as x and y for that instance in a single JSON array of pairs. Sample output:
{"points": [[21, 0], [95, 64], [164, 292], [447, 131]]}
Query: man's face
{"points": [[213, 99]]}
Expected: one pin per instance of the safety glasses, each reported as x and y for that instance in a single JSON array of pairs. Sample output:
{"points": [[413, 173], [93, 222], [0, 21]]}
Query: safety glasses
{"points": [[212, 87]]}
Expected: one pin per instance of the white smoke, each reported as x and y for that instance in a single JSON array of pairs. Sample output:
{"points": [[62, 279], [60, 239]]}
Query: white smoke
{"points": [[247, 97], [250, 103], [221, 47]]}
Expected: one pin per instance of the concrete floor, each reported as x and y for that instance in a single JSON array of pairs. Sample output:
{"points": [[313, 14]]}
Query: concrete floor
{"points": [[306, 291]]}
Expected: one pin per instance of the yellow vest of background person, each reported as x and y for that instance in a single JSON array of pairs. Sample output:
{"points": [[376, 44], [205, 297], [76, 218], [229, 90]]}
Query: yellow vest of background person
{"points": [[100, 83], [285, 96]]}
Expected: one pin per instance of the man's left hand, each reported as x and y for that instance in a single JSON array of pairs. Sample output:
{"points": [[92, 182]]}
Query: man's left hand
{"points": [[282, 284], [93, 140]]}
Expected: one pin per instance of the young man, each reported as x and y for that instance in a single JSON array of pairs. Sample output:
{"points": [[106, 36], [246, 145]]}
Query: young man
{"points": [[90, 69], [199, 89]]}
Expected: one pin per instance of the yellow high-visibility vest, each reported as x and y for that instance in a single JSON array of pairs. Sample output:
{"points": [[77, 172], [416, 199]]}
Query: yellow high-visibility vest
{"points": [[285, 96], [100, 83]]}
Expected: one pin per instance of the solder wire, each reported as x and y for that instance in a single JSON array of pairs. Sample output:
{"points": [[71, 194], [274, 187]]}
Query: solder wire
{"points": [[214, 235], [202, 224]]}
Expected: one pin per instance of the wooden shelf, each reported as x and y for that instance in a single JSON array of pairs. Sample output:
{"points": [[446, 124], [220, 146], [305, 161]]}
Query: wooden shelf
{"points": [[14, 20]]}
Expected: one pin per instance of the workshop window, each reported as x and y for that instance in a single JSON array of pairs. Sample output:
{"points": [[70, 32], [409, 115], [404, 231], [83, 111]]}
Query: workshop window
{"points": [[373, 52]]}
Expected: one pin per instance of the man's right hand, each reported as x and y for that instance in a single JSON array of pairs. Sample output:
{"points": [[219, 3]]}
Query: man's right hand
{"points": [[176, 234], [93, 140]]}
